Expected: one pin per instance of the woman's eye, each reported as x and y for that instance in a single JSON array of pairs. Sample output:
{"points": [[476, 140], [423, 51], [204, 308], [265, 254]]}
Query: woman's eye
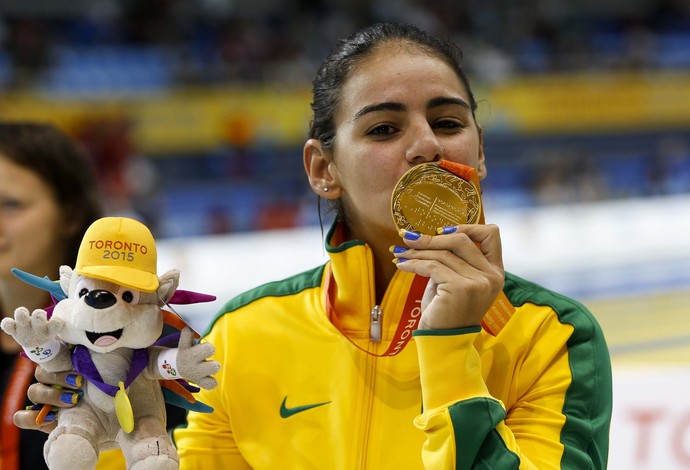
{"points": [[448, 124], [382, 130], [9, 204]]}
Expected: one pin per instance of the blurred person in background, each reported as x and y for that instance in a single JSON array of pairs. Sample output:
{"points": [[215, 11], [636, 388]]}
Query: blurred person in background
{"points": [[310, 377], [48, 197]]}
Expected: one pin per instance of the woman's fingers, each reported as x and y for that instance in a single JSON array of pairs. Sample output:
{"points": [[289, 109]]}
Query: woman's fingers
{"points": [[465, 267], [473, 243], [69, 379], [53, 395], [61, 389], [26, 419], [53, 391], [469, 252]]}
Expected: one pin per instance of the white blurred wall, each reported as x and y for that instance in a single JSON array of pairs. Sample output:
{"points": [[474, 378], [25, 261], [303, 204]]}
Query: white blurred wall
{"points": [[585, 251]]}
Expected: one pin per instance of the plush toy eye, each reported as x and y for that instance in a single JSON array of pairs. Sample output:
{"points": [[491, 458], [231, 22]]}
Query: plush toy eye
{"points": [[130, 296], [83, 287]]}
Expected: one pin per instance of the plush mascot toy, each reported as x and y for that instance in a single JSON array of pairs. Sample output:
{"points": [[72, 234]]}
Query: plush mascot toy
{"points": [[105, 325]]}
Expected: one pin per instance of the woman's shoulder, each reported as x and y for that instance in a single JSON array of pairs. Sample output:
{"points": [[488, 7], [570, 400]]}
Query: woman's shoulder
{"points": [[521, 291], [280, 289], [526, 294]]}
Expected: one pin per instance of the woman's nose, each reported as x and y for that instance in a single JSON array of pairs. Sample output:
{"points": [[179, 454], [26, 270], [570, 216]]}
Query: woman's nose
{"points": [[424, 147]]}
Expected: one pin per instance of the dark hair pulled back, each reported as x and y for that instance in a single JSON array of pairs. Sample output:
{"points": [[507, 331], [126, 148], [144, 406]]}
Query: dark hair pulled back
{"points": [[347, 53]]}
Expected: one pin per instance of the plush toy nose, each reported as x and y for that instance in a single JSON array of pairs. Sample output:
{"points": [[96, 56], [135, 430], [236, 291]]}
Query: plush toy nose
{"points": [[99, 298]]}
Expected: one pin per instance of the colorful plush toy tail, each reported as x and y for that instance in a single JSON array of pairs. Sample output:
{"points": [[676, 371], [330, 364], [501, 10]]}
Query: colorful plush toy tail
{"points": [[53, 287]]}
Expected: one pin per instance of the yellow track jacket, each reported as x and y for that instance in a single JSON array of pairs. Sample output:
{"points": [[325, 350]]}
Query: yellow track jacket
{"points": [[295, 393]]}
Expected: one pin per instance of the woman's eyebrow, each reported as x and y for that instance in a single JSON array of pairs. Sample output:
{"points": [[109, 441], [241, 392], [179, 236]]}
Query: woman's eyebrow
{"points": [[399, 107], [385, 106], [446, 100]]}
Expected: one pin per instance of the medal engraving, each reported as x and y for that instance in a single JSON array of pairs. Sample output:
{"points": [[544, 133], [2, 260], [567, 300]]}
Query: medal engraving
{"points": [[428, 197]]}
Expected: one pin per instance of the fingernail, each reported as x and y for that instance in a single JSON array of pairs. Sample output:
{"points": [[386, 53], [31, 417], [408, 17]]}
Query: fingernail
{"points": [[69, 397], [399, 260], [51, 416], [74, 380], [395, 249], [406, 234], [446, 230]]}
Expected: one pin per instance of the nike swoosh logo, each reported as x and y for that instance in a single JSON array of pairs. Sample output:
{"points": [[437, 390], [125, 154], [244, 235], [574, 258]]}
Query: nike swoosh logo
{"points": [[286, 412]]}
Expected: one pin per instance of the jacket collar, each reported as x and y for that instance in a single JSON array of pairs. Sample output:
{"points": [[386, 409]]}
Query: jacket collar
{"points": [[352, 269]]}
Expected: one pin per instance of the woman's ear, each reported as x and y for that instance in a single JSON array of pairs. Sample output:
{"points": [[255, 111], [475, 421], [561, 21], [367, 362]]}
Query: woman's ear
{"points": [[481, 161], [319, 168]]}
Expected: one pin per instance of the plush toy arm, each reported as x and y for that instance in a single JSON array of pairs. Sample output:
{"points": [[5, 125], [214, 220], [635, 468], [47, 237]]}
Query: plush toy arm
{"points": [[188, 361], [161, 365], [37, 334]]}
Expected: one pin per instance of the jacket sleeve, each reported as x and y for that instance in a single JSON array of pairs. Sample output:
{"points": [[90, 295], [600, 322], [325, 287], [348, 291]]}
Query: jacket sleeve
{"points": [[206, 440], [205, 443], [466, 427]]}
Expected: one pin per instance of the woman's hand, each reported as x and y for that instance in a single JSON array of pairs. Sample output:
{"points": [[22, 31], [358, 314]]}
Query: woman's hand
{"points": [[465, 270], [54, 389]]}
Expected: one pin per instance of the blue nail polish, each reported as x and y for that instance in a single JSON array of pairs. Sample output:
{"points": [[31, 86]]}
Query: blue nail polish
{"points": [[69, 397], [400, 260], [399, 249], [72, 380], [411, 235], [449, 229], [51, 416]]}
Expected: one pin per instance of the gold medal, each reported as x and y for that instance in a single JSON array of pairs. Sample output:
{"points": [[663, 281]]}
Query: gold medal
{"points": [[433, 195], [427, 197], [123, 409]]}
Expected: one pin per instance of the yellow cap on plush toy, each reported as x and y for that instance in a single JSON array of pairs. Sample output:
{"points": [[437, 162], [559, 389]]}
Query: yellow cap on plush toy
{"points": [[119, 250]]}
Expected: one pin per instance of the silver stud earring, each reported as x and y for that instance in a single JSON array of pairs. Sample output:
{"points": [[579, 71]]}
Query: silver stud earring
{"points": [[325, 189]]}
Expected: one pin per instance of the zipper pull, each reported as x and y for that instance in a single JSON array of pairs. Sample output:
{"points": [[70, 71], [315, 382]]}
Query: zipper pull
{"points": [[375, 326]]}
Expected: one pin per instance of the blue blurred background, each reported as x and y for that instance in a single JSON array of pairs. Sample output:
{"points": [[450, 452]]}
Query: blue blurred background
{"points": [[195, 113]]}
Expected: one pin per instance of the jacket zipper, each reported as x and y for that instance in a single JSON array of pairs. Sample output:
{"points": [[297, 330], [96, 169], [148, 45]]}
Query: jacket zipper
{"points": [[375, 324], [374, 336], [368, 410]]}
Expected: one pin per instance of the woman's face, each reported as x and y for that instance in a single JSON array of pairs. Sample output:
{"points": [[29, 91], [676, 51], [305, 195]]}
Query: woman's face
{"points": [[30, 223], [399, 108]]}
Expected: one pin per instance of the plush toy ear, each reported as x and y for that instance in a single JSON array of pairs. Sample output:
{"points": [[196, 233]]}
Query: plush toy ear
{"points": [[168, 285], [65, 278]]}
